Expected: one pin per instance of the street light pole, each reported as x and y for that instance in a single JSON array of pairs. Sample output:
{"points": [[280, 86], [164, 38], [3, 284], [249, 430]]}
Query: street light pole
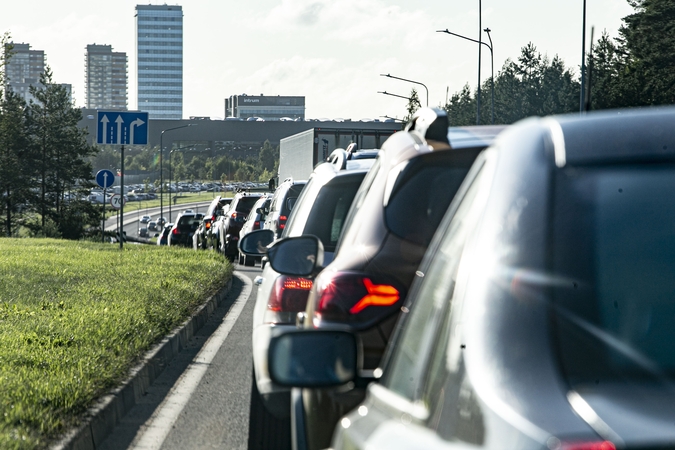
{"points": [[480, 41], [161, 168], [492, 60], [583, 62], [409, 81], [492, 77]]}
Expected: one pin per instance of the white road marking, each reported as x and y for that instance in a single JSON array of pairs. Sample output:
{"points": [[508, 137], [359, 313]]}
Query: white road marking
{"points": [[157, 428]]}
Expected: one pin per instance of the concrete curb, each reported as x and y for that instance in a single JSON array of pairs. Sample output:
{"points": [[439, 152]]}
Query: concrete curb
{"points": [[102, 418]]}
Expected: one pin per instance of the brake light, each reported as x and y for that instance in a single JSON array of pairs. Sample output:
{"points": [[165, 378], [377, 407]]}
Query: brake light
{"points": [[593, 445], [207, 225], [256, 225], [289, 294], [343, 295], [282, 222], [175, 231]]}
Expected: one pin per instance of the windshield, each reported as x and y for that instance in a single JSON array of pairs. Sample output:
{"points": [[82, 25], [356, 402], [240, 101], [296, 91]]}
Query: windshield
{"points": [[614, 245]]}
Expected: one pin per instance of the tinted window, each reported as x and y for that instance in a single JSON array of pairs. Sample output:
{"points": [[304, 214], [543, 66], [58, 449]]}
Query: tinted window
{"points": [[614, 260], [422, 194], [330, 209], [245, 204]]}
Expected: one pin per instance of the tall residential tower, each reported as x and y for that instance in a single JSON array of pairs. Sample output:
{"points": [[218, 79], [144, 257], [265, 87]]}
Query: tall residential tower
{"points": [[24, 69], [105, 84], [159, 60]]}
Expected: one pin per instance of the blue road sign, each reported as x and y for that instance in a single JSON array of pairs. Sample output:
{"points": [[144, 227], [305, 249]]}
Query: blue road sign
{"points": [[122, 128], [105, 178]]}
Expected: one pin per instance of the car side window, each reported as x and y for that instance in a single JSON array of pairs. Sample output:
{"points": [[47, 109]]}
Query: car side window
{"points": [[407, 368]]}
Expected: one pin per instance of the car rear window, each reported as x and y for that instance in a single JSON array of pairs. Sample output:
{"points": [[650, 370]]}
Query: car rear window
{"points": [[423, 192], [613, 250], [245, 204]]}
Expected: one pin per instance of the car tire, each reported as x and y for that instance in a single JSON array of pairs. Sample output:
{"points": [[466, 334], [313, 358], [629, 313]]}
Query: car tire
{"points": [[241, 260], [249, 261], [264, 430]]}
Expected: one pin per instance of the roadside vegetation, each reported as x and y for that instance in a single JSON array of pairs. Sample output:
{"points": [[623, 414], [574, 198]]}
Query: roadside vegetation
{"points": [[76, 316]]}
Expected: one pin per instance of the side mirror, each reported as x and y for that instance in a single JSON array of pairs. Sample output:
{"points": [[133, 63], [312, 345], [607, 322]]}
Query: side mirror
{"points": [[313, 358], [296, 256], [255, 243]]}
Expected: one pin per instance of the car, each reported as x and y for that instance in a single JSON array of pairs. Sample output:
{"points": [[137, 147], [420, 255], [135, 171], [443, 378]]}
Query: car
{"points": [[254, 221], [161, 221], [163, 238], [226, 232], [386, 232], [183, 229], [143, 232], [152, 226], [319, 211], [282, 203], [146, 219], [201, 237], [540, 317]]}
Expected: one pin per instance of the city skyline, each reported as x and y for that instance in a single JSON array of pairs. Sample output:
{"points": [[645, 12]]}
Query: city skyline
{"points": [[332, 53]]}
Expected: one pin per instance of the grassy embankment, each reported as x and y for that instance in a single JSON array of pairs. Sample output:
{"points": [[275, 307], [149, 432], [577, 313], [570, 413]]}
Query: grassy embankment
{"points": [[75, 316]]}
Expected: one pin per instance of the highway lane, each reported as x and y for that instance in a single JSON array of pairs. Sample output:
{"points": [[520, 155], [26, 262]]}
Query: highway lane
{"points": [[201, 400]]}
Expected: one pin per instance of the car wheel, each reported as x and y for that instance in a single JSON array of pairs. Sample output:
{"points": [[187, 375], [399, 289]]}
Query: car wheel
{"points": [[264, 430], [249, 261], [242, 260]]}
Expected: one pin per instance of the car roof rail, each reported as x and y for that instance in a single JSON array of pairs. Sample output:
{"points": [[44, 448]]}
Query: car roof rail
{"points": [[338, 158], [431, 123], [289, 179]]}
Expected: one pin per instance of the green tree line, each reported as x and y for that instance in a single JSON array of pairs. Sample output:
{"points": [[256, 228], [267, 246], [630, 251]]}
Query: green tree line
{"points": [[44, 166], [637, 68]]}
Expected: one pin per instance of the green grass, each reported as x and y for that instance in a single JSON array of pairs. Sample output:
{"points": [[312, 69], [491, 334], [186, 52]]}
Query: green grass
{"points": [[75, 316]]}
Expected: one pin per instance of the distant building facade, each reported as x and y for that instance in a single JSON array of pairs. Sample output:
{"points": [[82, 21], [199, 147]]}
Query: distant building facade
{"points": [[159, 60], [23, 70], [265, 107], [105, 85]]}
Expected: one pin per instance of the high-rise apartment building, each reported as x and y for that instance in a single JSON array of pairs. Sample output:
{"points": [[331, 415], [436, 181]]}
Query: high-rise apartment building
{"points": [[105, 84], [23, 69], [159, 60]]}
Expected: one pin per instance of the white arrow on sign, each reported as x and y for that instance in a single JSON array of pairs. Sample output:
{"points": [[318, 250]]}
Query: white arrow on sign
{"points": [[134, 124], [119, 123], [104, 121]]}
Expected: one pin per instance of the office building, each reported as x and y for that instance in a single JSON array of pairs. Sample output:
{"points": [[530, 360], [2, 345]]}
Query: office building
{"points": [[23, 69], [265, 107], [159, 60], [105, 84]]}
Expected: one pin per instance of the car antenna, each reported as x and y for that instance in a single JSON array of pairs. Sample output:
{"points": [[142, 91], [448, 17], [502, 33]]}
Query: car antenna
{"points": [[587, 106]]}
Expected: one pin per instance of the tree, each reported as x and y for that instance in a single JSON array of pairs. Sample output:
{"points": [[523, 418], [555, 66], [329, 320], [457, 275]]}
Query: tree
{"points": [[268, 156], [16, 159], [648, 36], [413, 105], [62, 149]]}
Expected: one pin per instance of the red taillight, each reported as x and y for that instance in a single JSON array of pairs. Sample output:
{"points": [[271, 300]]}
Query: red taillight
{"points": [[282, 222], [289, 294], [207, 225], [588, 445], [342, 295], [256, 225], [175, 231]]}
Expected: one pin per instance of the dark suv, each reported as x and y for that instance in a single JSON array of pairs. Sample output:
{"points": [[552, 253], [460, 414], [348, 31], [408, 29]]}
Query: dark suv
{"points": [[183, 229], [283, 200], [200, 240], [389, 226], [232, 220], [320, 211]]}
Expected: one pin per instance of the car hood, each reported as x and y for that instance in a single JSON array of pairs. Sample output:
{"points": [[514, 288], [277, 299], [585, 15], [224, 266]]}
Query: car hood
{"points": [[628, 413]]}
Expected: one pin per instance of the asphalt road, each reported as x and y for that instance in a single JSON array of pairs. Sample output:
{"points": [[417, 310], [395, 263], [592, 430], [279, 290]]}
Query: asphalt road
{"points": [[201, 400]]}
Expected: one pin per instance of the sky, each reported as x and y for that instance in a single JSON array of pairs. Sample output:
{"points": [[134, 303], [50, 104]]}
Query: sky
{"points": [[333, 52]]}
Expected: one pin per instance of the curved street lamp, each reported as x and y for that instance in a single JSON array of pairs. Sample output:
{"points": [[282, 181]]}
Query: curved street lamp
{"points": [[394, 95], [161, 164], [492, 62], [409, 81]]}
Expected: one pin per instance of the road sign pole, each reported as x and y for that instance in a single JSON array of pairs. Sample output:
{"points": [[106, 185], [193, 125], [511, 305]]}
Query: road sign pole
{"points": [[122, 203], [103, 217]]}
